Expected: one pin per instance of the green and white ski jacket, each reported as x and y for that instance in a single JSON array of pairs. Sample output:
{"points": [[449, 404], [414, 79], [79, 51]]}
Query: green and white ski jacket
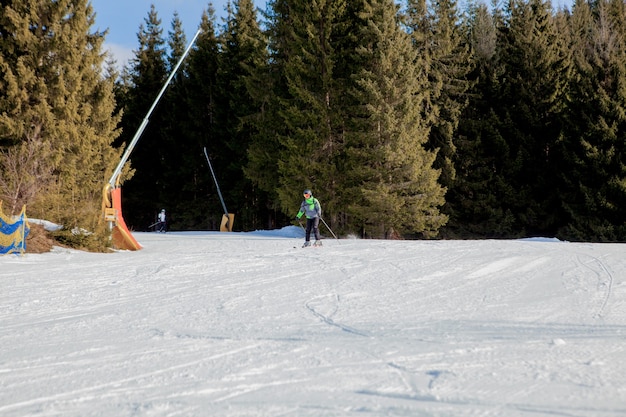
{"points": [[310, 208]]}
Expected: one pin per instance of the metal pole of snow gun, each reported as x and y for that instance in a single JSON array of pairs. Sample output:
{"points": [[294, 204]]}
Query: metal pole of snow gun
{"points": [[146, 119], [329, 229], [112, 192], [227, 218]]}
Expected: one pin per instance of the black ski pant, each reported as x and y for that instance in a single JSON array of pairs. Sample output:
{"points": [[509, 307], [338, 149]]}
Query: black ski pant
{"points": [[313, 224]]}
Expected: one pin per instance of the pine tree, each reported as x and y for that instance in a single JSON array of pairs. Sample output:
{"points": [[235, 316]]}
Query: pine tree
{"points": [[476, 201], [26, 159], [441, 44], [176, 140], [197, 127], [243, 50], [177, 42], [148, 72], [57, 111], [267, 86], [393, 185], [594, 181], [310, 139], [530, 107]]}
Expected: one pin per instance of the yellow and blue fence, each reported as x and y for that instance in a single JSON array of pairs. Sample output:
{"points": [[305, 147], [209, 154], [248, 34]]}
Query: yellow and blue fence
{"points": [[13, 232]]}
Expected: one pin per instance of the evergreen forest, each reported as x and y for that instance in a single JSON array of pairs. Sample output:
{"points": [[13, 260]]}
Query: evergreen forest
{"points": [[407, 119]]}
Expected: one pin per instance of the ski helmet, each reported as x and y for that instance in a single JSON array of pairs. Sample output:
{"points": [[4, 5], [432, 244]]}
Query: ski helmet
{"points": [[307, 191]]}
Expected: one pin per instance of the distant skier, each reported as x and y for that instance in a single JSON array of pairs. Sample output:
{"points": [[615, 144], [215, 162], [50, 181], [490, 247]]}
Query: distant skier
{"points": [[311, 208], [162, 224]]}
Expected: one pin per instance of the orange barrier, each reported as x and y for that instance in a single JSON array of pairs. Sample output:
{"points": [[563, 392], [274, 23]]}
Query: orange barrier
{"points": [[121, 236]]}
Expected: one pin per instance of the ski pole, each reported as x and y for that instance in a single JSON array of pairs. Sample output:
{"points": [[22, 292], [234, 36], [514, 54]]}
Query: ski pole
{"points": [[329, 229]]}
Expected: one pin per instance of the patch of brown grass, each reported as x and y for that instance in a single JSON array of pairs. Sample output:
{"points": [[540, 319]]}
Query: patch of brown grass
{"points": [[39, 240]]}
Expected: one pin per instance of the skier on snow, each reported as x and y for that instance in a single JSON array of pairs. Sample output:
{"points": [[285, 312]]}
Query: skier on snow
{"points": [[162, 224], [311, 208]]}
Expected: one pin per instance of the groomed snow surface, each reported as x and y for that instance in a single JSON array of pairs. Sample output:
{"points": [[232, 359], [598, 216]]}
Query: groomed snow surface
{"points": [[251, 324]]}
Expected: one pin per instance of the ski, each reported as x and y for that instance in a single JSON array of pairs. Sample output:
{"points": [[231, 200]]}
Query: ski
{"points": [[317, 244]]}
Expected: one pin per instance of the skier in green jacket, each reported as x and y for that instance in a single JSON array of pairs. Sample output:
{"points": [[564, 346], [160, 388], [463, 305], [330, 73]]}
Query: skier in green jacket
{"points": [[311, 208]]}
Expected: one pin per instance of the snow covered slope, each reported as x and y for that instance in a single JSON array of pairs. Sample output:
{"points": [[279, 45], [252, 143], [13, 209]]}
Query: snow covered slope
{"points": [[245, 324]]}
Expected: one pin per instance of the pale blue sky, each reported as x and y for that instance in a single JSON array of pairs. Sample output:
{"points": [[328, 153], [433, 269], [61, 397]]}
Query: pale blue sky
{"points": [[123, 17]]}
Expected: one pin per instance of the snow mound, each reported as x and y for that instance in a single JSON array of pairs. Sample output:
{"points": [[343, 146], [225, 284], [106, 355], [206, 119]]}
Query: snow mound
{"points": [[287, 231]]}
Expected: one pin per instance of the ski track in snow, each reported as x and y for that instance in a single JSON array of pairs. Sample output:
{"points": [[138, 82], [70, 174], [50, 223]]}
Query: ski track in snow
{"points": [[243, 324]]}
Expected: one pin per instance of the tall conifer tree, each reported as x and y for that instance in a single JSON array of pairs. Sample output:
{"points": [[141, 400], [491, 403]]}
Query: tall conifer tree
{"points": [[311, 138], [198, 129], [243, 51], [57, 111], [476, 201], [143, 194], [174, 132], [442, 47], [530, 107], [268, 87], [594, 190], [394, 186]]}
